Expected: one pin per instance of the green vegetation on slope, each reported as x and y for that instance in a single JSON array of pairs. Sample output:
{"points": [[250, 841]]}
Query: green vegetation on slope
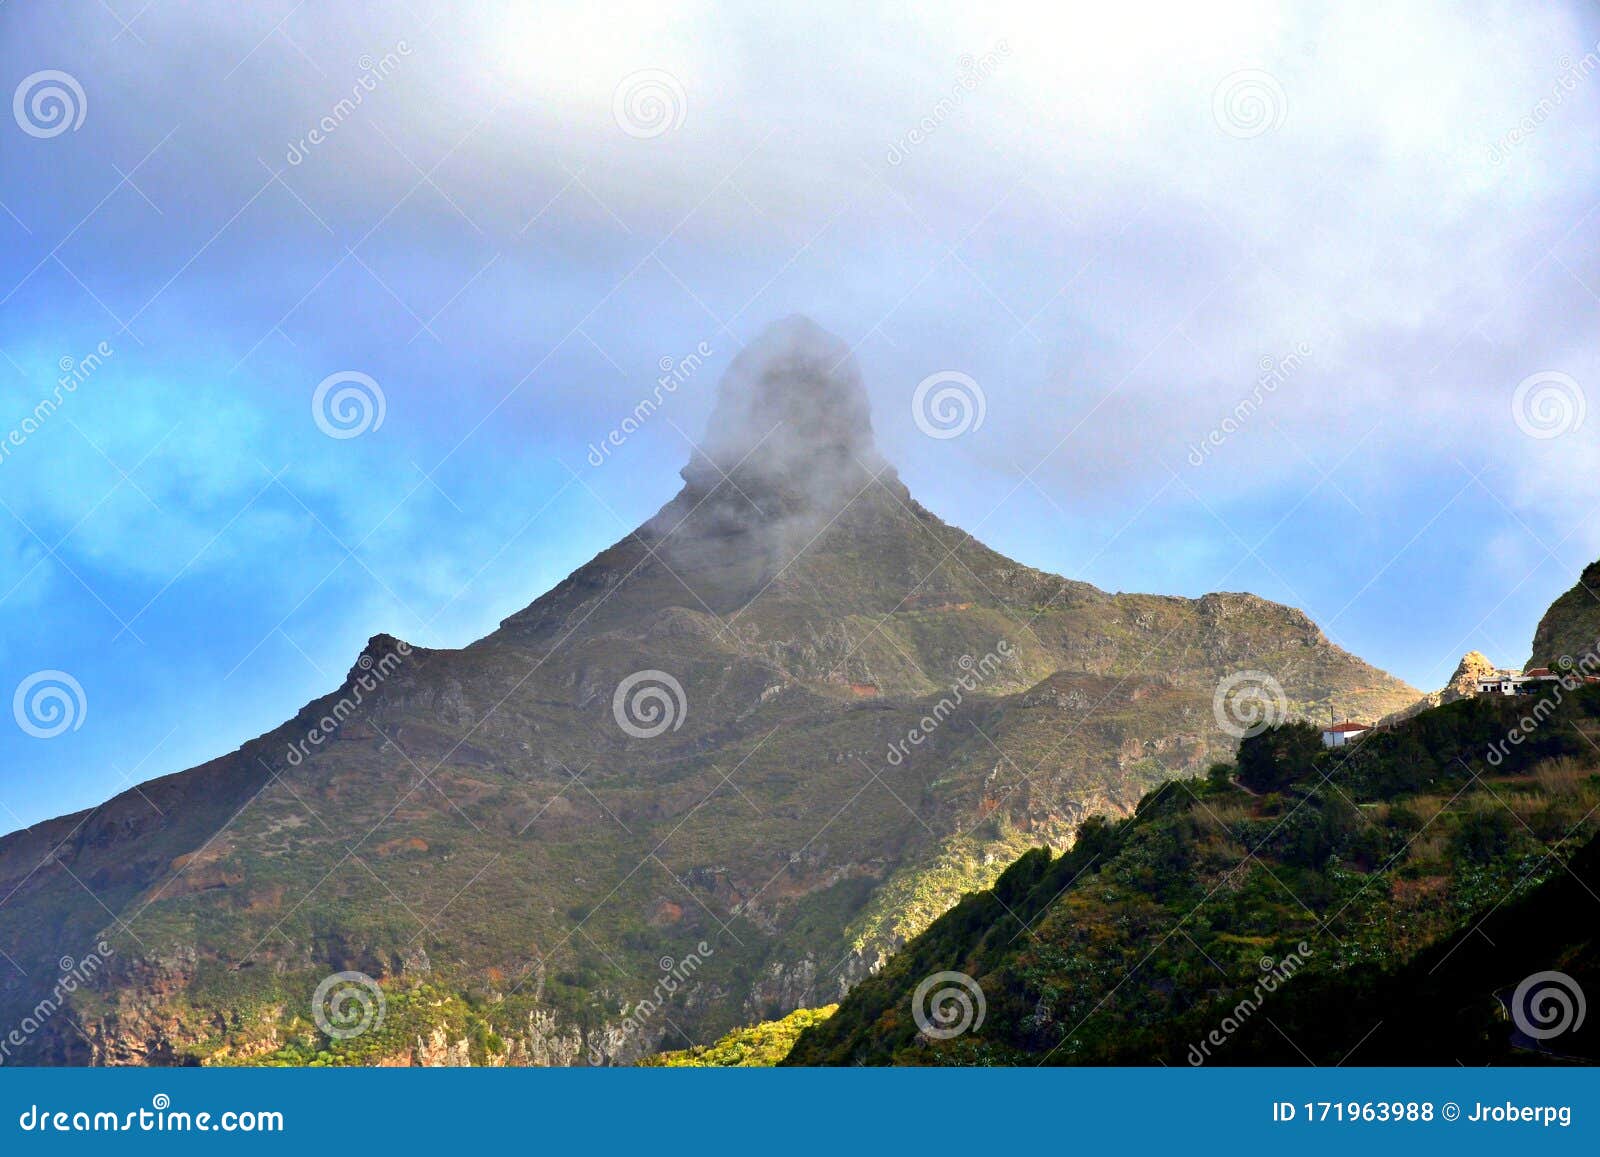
{"points": [[1135, 945], [761, 1046], [411, 1013]]}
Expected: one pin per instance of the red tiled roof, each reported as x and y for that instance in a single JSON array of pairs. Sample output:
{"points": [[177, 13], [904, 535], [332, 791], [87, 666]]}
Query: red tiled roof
{"points": [[1349, 727]]}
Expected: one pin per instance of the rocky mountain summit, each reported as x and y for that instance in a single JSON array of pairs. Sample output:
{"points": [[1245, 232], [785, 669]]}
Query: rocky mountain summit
{"points": [[718, 773]]}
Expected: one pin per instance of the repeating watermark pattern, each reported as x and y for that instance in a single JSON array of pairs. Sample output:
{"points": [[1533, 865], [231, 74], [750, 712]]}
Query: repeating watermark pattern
{"points": [[648, 703], [948, 404], [1248, 103], [348, 404], [674, 373], [1548, 1004], [1246, 703], [1574, 674], [1570, 77], [636, 1017], [74, 974], [649, 103], [74, 373], [373, 73], [948, 1004], [975, 672], [49, 703], [49, 103], [1548, 404], [374, 673], [1274, 373], [971, 72], [347, 1005], [1274, 974]]}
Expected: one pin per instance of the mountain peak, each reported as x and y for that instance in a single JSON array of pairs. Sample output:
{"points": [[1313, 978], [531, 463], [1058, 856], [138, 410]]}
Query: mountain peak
{"points": [[791, 413]]}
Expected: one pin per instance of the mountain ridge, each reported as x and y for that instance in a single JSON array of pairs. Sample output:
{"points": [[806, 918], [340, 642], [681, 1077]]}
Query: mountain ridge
{"points": [[525, 826], [1409, 843]]}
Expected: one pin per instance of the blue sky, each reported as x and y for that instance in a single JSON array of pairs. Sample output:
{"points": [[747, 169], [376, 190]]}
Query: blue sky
{"points": [[1109, 220]]}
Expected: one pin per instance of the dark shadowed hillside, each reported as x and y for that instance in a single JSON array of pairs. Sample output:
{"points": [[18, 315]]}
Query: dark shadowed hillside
{"points": [[1428, 896]]}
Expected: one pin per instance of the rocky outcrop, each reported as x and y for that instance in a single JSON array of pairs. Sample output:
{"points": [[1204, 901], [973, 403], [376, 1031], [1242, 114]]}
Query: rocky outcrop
{"points": [[1570, 629], [1474, 665]]}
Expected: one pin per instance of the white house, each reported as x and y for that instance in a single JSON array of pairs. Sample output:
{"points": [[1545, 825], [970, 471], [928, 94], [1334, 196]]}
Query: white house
{"points": [[1500, 683], [1339, 734], [1529, 682]]}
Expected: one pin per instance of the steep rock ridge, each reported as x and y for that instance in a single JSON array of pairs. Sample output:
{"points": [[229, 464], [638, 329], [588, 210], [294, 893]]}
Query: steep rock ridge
{"points": [[1570, 629], [873, 713]]}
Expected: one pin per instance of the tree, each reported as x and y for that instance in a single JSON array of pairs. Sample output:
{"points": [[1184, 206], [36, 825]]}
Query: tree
{"points": [[1279, 757]]}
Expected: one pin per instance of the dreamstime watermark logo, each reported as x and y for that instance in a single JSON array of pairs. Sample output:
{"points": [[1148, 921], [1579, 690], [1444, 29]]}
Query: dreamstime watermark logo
{"points": [[675, 974], [649, 103], [1274, 373], [74, 974], [1571, 76], [674, 372], [372, 73], [947, 1004], [1246, 703], [1548, 404], [348, 404], [1248, 103], [49, 103], [647, 703], [948, 404], [74, 373], [347, 1005], [1548, 1004], [160, 1117], [49, 703], [971, 71], [975, 672], [1274, 974], [373, 674]]}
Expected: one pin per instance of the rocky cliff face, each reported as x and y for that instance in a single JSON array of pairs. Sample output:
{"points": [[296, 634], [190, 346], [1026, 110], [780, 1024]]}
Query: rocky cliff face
{"points": [[790, 719], [1570, 629]]}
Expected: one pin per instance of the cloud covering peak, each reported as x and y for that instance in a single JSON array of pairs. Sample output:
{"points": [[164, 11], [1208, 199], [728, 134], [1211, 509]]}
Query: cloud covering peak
{"points": [[791, 405]]}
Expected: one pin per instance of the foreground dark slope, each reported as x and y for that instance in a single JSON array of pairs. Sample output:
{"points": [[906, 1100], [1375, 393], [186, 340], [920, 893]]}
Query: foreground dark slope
{"points": [[481, 835], [1374, 905]]}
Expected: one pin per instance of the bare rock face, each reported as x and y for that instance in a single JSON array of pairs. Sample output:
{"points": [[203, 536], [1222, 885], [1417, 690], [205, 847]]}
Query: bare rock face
{"points": [[1570, 629], [1474, 665]]}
